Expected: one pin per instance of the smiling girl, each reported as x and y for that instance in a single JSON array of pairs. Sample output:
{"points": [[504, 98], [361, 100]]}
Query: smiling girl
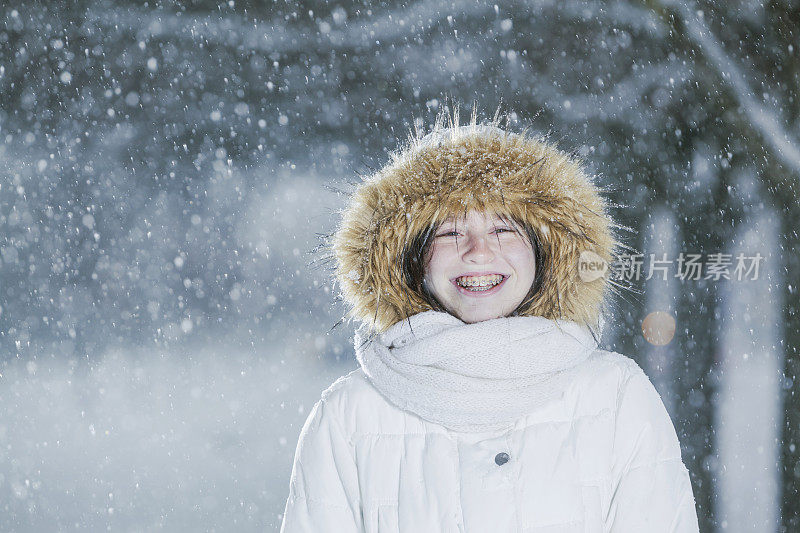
{"points": [[480, 267], [483, 401]]}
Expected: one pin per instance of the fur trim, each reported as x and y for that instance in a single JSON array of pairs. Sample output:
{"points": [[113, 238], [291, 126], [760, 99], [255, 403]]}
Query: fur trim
{"points": [[455, 169]]}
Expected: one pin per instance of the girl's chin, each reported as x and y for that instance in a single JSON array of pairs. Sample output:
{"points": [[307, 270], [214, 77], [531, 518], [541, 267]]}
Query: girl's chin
{"points": [[479, 315]]}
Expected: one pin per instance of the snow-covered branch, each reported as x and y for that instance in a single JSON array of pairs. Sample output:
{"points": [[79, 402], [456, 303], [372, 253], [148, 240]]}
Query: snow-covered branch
{"points": [[621, 101], [766, 121], [337, 32]]}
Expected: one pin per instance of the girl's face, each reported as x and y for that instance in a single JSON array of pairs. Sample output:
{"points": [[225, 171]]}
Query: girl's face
{"points": [[480, 267]]}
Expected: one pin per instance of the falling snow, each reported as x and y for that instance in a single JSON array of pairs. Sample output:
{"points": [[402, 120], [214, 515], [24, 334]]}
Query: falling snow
{"points": [[170, 172]]}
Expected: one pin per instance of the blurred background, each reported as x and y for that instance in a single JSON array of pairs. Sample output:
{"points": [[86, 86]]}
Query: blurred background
{"points": [[167, 170]]}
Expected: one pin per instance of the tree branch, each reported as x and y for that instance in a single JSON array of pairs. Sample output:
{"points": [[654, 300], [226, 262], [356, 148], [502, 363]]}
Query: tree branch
{"points": [[766, 121]]}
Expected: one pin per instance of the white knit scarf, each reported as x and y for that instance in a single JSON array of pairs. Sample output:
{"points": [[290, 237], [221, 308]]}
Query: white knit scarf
{"points": [[473, 377]]}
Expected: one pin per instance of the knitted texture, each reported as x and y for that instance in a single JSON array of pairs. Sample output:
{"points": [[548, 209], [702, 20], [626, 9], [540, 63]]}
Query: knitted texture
{"points": [[473, 377]]}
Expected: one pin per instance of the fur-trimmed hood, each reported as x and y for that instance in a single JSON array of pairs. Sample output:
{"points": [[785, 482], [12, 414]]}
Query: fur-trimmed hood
{"points": [[455, 169]]}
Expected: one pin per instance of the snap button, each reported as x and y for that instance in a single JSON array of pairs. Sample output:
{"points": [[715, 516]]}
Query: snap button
{"points": [[501, 458]]}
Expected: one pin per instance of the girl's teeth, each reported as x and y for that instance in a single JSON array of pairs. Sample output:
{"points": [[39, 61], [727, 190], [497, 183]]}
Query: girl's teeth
{"points": [[480, 282]]}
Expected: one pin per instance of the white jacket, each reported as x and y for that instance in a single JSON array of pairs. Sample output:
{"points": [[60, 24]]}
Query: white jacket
{"points": [[602, 458]]}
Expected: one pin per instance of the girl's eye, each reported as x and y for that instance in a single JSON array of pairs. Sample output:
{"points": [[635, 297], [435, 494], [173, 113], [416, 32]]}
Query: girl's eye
{"points": [[501, 230], [448, 234]]}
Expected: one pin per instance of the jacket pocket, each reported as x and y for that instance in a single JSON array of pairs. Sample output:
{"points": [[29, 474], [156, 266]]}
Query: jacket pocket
{"points": [[387, 519], [567, 527], [592, 509], [381, 518]]}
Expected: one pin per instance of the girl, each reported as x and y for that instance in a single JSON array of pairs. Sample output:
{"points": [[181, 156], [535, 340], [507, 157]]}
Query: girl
{"points": [[483, 402]]}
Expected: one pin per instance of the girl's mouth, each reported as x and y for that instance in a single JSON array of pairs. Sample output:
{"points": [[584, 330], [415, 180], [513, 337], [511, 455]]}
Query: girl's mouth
{"points": [[479, 285]]}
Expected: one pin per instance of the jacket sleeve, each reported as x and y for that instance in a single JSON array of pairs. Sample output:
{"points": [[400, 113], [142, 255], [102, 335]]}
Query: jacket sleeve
{"points": [[651, 489], [323, 489]]}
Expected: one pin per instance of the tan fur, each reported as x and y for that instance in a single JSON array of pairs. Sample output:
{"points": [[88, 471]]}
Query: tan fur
{"points": [[455, 169]]}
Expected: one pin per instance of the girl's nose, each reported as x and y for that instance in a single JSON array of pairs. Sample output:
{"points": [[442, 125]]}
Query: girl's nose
{"points": [[478, 250]]}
